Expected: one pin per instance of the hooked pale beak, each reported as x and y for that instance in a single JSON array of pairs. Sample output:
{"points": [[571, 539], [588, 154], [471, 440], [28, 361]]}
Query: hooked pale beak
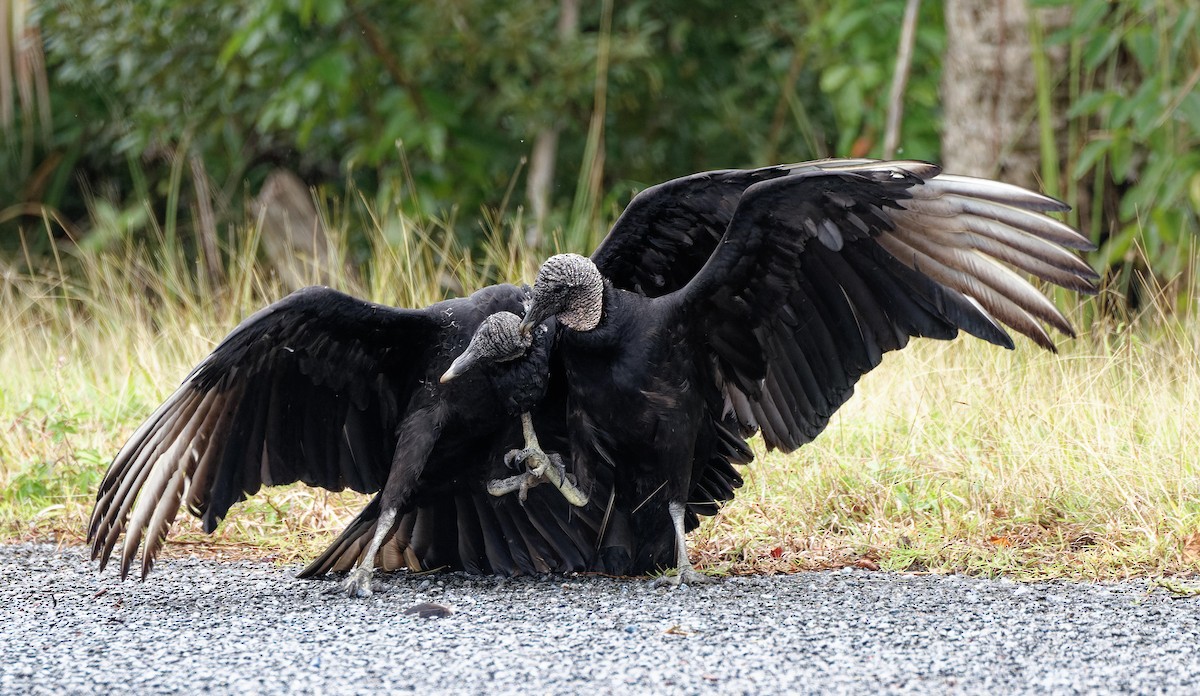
{"points": [[533, 316], [460, 365]]}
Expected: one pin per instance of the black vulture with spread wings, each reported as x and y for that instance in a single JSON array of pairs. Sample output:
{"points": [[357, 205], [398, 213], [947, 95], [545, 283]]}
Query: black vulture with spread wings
{"points": [[327, 389], [733, 302]]}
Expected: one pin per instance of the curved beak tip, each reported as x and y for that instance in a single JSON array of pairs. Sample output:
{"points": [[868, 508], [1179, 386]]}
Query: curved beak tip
{"points": [[460, 365]]}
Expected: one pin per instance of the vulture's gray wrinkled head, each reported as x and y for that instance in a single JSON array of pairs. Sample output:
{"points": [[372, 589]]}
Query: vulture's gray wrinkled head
{"points": [[498, 339], [570, 287]]}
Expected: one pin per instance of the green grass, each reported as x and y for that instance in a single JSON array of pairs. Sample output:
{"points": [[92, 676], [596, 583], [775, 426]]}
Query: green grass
{"points": [[952, 457]]}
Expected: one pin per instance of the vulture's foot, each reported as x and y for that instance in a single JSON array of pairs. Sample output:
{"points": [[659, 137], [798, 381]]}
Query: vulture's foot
{"points": [[682, 576], [531, 457], [358, 583], [541, 467], [520, 484]]}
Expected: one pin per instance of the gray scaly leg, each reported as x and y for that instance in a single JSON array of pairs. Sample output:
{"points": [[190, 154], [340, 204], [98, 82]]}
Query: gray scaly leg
{"points": [[358, 582], [685, 574], [416, 438]]}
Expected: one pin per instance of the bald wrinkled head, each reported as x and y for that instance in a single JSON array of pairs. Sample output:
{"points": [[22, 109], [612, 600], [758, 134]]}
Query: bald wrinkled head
{"points": [[570, 287], [498, 339]]}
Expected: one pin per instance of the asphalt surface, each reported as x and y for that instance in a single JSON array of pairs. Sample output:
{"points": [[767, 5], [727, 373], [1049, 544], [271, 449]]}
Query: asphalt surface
{"points": [[219, 627]]}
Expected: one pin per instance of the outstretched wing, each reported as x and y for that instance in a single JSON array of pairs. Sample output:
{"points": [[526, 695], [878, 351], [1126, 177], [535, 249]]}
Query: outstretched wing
{"points": [[308, 389], [668, 231], [824, 270]]}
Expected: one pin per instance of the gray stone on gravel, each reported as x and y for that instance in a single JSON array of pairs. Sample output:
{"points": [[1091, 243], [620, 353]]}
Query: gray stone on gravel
{"points": [[220, 627]]}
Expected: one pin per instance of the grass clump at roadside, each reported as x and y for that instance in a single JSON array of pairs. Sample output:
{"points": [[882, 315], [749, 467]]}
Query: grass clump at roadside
{"points": [[952, 457], [958, 457]]}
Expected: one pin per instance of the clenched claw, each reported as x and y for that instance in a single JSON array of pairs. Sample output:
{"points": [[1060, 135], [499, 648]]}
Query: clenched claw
{"points": [[521, 483], [536, 462], [540, 467], [515, 458]]}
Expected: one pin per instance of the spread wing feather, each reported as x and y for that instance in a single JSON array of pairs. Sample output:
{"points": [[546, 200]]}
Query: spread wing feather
{"points": [[308, 389], [832, 264], [668, 231]]}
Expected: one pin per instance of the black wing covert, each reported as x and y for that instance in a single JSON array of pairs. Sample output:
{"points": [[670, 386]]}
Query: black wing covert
{"points": [[824, 270], [308, 389], [668, 231]]}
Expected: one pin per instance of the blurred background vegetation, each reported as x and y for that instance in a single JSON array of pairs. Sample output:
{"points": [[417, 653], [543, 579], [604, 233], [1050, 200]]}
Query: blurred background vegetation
{"points": [[196, 125]]}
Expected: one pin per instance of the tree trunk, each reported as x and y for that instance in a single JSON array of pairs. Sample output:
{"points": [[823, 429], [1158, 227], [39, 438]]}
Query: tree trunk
{"points": [[293, 235], [540, 178], [989, 89]]}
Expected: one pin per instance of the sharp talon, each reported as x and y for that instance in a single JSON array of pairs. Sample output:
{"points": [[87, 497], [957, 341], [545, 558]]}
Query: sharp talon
{"points": [[514, 458], [664, 580], [540, 467], [556, 461]]}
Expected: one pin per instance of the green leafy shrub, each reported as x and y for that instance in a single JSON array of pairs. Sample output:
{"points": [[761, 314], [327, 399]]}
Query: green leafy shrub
{"points": [[1135, 139]]}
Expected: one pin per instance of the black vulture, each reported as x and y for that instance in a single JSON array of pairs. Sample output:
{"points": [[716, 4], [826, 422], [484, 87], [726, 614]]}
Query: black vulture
{"points": [[733, 302], [327, 389], [520, 376]]}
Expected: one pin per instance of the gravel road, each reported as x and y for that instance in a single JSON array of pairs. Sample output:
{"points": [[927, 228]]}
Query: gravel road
{"points": [[222, 627]]}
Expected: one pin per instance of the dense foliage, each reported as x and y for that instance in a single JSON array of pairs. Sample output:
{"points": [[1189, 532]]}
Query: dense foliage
{"points": [[434, 107], [340, 89], [1134, 135]]}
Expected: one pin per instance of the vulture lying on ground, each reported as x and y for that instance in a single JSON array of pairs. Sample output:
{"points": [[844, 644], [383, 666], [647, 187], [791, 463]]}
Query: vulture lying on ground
{"points": [[733, 302], [324, 388]]}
